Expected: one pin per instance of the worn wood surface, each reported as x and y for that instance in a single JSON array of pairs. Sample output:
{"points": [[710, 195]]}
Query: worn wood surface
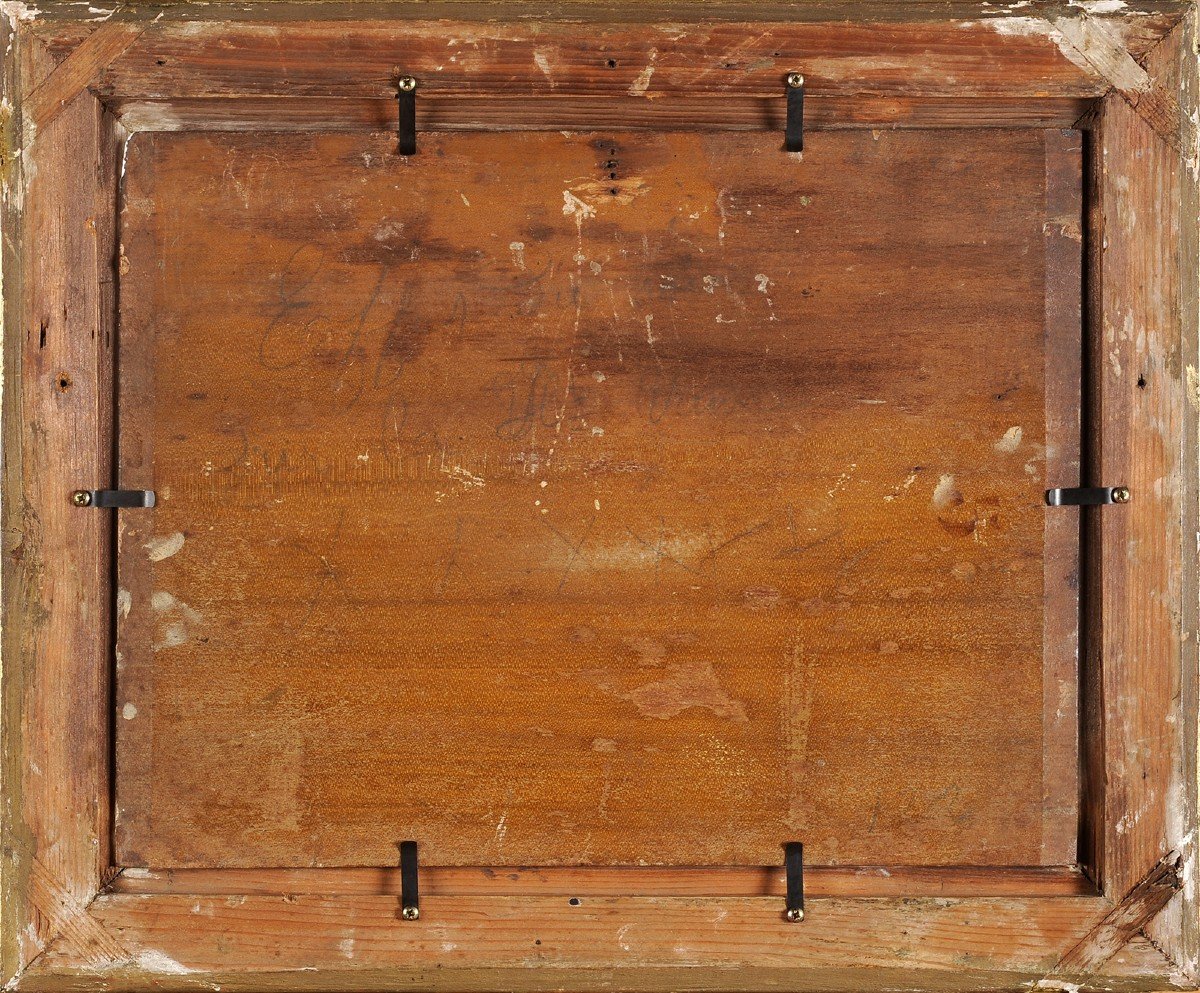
{"points": [[218, 937], [603, 523], [1063, 230], [57, 418], [819, 881], [1138, 431], [1130, 915], [268, 73]]}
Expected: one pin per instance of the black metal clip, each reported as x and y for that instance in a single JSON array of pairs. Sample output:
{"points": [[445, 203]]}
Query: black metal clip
{"points": [[406, 97], [1087, 496], [113, 498], [793, 135], [410, 898], [793, 868]]}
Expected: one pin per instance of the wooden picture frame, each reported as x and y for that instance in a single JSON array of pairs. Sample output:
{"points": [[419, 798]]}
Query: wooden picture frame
{"points": [[79, 80]]}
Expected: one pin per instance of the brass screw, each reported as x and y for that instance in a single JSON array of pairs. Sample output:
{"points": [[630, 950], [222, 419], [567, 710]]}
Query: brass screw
{"points": [[794, 915], [1120, 494], [410, 913], [408, 83], [795, 80], [81, 498]]}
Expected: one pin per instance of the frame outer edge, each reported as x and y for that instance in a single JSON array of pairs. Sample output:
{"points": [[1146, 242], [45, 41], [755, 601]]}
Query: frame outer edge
{"points": [[1176, 931]]}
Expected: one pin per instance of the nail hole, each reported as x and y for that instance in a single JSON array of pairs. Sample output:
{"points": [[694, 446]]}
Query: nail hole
{"points": [[612, 63], [1141, 382], [63, 382], [161, 62], [574, 901]]}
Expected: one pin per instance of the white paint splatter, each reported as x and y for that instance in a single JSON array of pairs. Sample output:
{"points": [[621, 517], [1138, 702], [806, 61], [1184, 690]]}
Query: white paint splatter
{"points": [[572, 205], [518, 252], [764, 284], [640, 85], [155, 961], [124, 603], [944, 493], [1010, 440], [163, 548], [129, 711]]}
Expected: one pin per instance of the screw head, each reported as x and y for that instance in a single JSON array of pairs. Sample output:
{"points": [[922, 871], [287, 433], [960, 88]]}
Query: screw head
{"points": [[407, 83], [1120, 494], [795, 80], [794, 915], [81, 498], [410, 913]]}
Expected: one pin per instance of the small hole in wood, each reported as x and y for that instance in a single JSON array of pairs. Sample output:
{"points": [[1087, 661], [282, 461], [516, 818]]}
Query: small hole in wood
{"points": [[42, 336], [612, 63], [160, 62], [63, 382], [1141, 382], [574, 901]]}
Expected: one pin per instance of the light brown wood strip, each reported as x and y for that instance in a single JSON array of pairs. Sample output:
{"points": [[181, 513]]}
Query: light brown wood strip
{"points": [[819, 881], [1136, 362], [57, 436], [183, 935], [630, 462], [1177, 929], [554, 112], [640, 62]]}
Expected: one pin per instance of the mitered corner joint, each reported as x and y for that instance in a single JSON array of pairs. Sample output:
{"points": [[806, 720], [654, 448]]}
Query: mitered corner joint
{"points": [[113, 498]]}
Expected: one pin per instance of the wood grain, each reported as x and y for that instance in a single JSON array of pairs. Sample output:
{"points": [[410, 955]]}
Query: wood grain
{"points": [[554, 112], [59, 318], [1138, 422], [630, 461], [819, 881], [1134, 911], [1064, 399], [625, 65], [245, 938]]}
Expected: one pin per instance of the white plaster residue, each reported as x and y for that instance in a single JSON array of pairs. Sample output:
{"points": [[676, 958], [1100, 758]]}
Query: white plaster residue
{"points": [[1098, 6], [572, 205], [155, 961], [129, 711], [346, 947], [710, 284], [542, 60], [124, 603], [16, 10], [1009, 440], [640, 85], [164, 547], [468, 479], [1193, 387], [518, 252], [764, 283], [944, 493], [650, 339]]}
